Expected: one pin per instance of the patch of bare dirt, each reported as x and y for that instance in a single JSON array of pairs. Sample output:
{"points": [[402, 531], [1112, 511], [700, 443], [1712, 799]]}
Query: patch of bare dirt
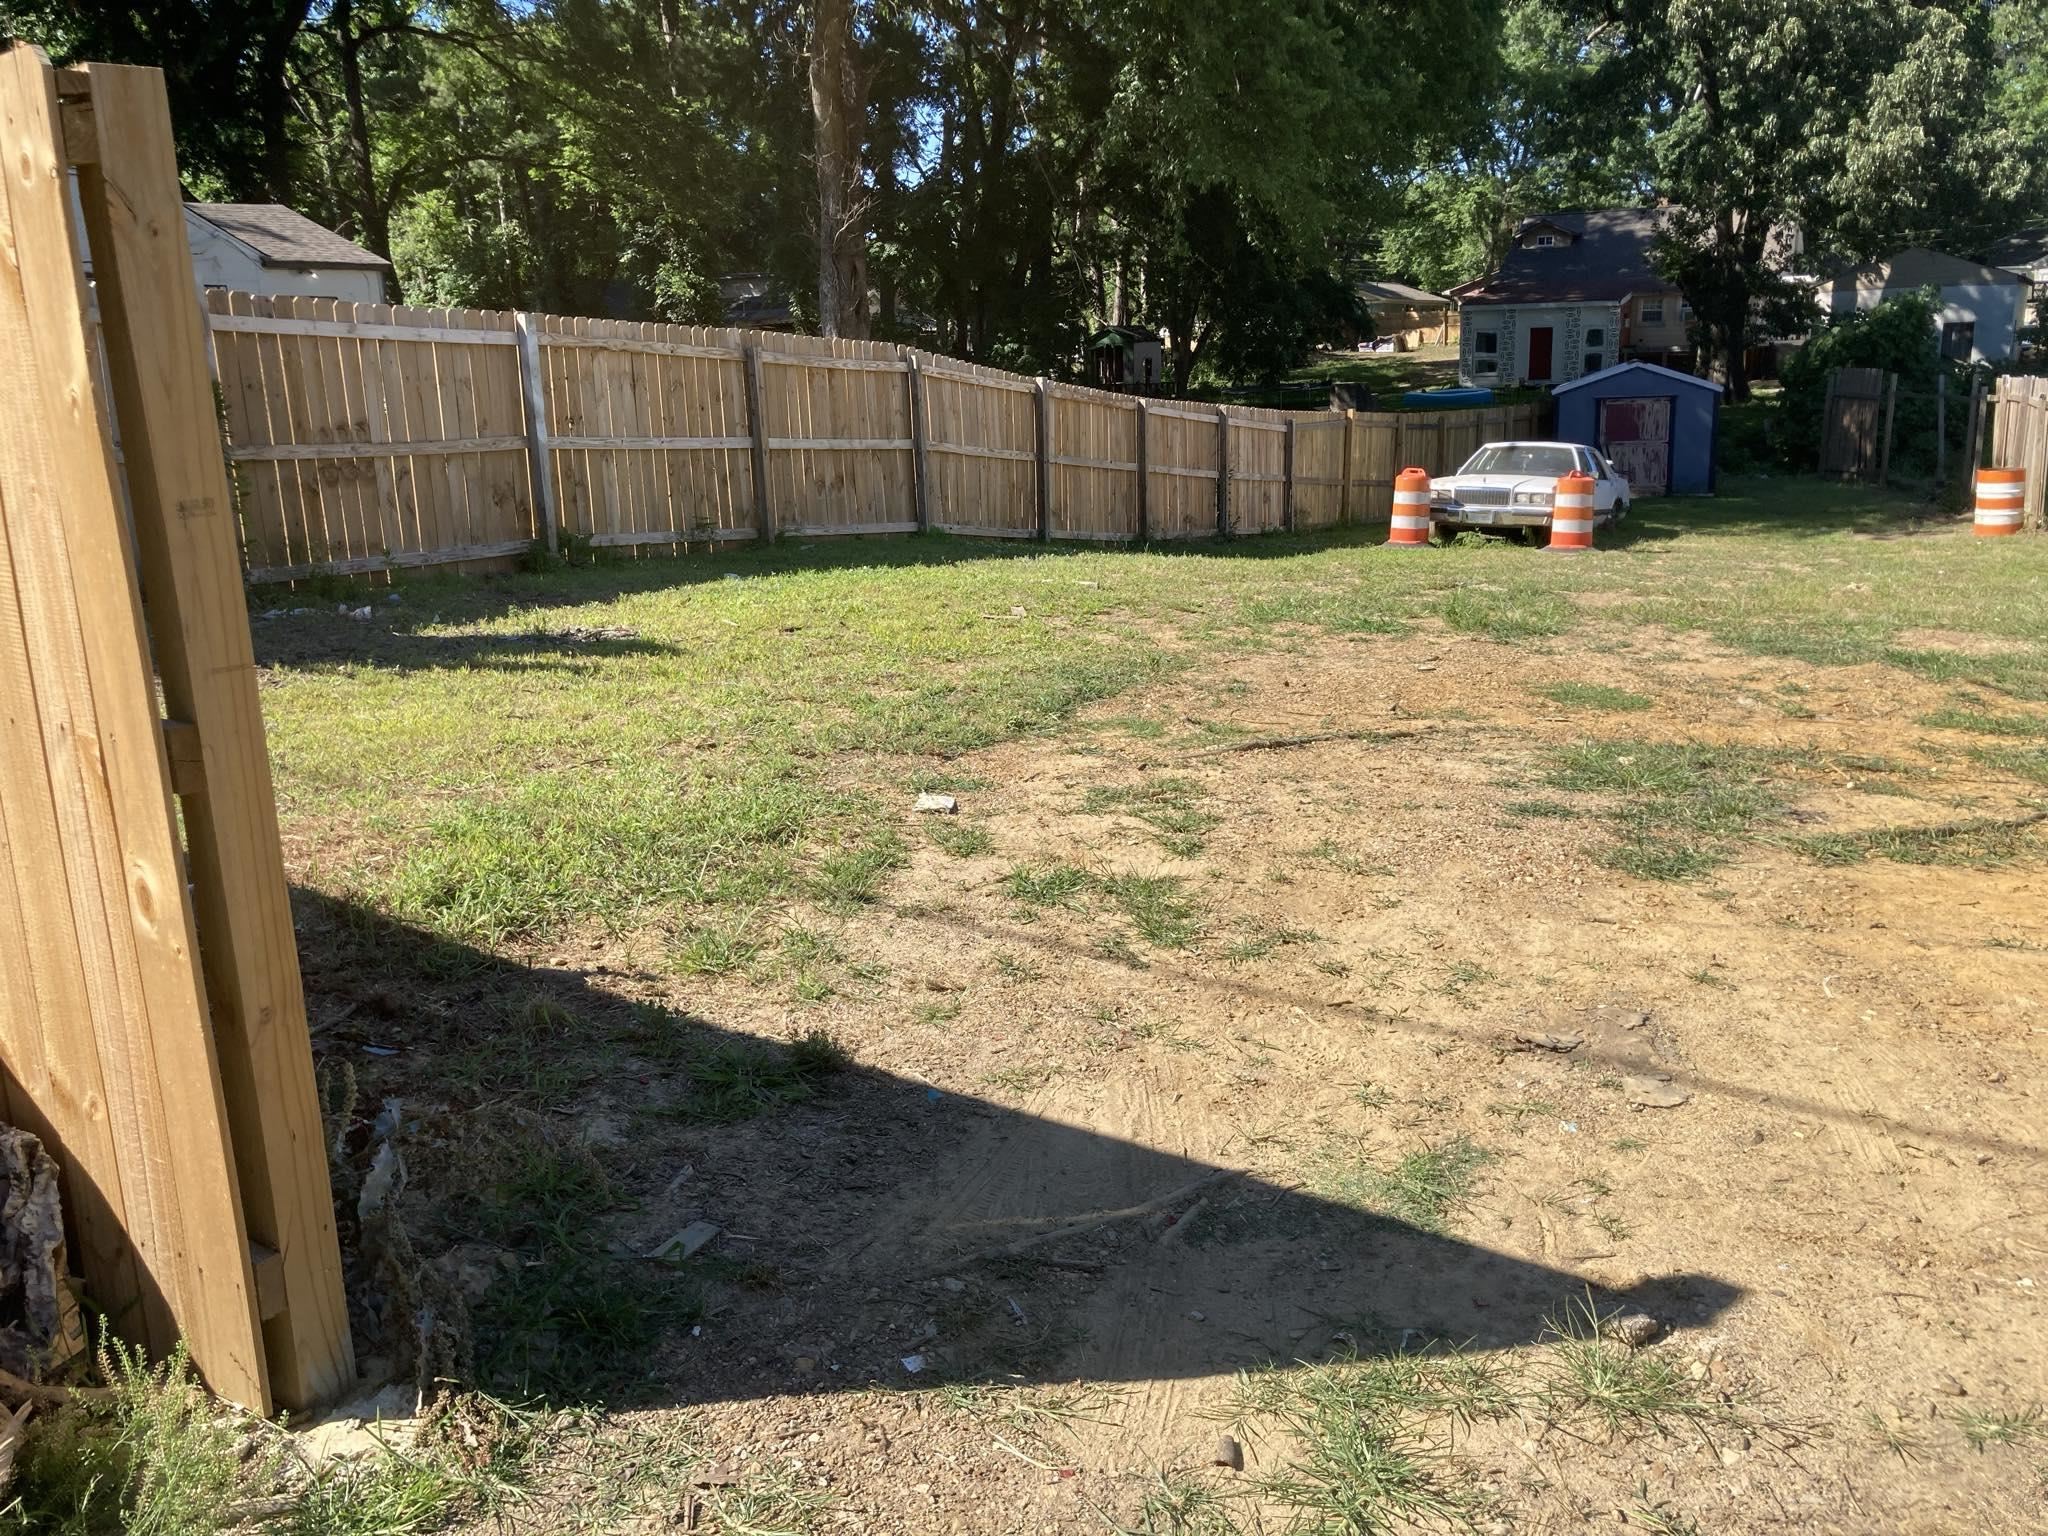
{"points": [[1070, 1155]]}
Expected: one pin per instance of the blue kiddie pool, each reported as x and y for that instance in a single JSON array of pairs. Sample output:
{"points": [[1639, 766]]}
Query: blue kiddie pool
{"points": [[1448, 398]]}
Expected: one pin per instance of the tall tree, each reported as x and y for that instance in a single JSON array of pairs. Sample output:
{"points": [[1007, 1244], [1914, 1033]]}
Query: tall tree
{"points": [[839, 110]]}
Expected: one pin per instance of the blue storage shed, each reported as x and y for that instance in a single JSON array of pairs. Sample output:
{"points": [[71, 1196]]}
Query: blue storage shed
{"points": [[1658, 425]]}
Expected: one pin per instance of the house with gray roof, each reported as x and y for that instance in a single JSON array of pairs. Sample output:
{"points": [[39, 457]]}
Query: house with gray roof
{"points": [[1979, 309], [271, 249], [1576, 292]]}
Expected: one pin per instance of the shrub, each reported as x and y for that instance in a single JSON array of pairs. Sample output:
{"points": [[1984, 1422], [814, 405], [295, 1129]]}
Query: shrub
{"points": [[1898, 336]]}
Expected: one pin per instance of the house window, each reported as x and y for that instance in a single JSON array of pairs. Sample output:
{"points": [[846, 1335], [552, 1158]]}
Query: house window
{"points": [[1685, 312], [1591, 363], [1653, 311], [1596, 337], [1542, 242], [1959, 340], [1486, 343]]}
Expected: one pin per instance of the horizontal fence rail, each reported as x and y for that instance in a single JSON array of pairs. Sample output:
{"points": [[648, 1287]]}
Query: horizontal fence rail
{"points": [[372, 437]]}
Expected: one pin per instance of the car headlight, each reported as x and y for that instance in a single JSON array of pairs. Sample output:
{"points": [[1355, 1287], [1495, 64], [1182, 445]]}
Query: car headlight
{"points": [[1531, 499], [1441, 493]]}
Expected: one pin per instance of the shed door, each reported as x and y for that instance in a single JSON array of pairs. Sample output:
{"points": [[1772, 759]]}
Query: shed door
{"points": [[1636, 435]]}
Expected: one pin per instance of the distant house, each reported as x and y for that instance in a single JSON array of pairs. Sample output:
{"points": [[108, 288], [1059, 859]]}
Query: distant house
{"points": [[1409, 317], [2025, 255], [271, 249], [756, 301], [1127, 357], [1575, 293], [1982, 308]]}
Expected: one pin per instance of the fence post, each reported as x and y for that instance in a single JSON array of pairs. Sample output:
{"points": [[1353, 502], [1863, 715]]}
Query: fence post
{"points": [[1976, 432], [1044, 399], [920, 452], [1941, 428], [1144, 473], [1222, 471], [187, 542], [1884, 452], [757, 428], [1827, 424], [1344, 491], [1287, 481], [539, 460]]}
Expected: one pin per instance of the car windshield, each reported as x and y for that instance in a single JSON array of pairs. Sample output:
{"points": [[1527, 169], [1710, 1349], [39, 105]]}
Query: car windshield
{"points": [[1521, 459]]}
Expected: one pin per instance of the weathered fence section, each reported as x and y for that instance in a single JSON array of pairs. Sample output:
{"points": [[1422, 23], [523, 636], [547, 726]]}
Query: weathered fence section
{"points": [[152, 1023], [366, 437], [2019, 440], [1856, 423]]}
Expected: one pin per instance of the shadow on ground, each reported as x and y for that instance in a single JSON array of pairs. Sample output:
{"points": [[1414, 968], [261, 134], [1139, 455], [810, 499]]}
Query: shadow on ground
{"points": [[562, 1140]]}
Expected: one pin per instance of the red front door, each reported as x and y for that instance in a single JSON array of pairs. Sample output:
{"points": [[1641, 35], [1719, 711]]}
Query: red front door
{"points": [[1539, 354]]}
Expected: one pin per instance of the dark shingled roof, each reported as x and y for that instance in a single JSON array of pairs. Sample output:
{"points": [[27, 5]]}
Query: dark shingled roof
{"points": [[284, 237], [1608, 258], [1400, 293]]}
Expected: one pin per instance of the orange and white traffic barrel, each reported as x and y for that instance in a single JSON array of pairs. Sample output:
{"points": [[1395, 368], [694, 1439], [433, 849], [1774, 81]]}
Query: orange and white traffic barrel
{"points": [[1411, 508], [1571, 512], [2001, 493]]}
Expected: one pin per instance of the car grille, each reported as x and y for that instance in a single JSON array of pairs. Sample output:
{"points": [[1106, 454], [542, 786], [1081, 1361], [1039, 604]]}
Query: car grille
{"points": [[1484, 496]]}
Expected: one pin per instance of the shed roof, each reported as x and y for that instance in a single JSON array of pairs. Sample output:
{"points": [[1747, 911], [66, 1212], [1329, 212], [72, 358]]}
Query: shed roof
{"points": [[1673, 374], [284, 237], [1607, 256]]}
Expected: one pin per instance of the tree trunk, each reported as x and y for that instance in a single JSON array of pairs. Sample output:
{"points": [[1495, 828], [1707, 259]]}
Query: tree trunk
{"points": [[839, 109], [273, 96], [373, 214]]}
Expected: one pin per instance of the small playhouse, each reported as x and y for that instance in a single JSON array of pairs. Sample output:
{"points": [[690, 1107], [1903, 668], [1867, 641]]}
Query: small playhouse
{"points": [[1657, 425]]}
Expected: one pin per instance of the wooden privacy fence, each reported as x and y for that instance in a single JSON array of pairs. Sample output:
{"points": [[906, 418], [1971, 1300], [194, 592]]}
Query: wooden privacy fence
{"points": [[2019, 440], [1856, 423], [367, 437], [152, 1026]]}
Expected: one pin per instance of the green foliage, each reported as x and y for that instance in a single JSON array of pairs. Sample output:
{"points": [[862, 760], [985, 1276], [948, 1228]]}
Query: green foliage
{"points": [[1898, 336], [157, 1457]]}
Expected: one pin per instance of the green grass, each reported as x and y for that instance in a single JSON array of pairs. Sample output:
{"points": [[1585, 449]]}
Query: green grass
{"points": [[1623, 1390], [2030, 763], [1048, 885], [1168, 804], [157, 1456], [1593, 696], [1978, 843], [1424, 1189], [1683, 807], [1985, 1427], [960, 839], [1525, 614], [747, 751], [1985, 723]]}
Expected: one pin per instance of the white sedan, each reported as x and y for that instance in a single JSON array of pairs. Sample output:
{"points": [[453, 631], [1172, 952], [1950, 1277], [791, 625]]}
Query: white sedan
{"points": [[1510, 485]]}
